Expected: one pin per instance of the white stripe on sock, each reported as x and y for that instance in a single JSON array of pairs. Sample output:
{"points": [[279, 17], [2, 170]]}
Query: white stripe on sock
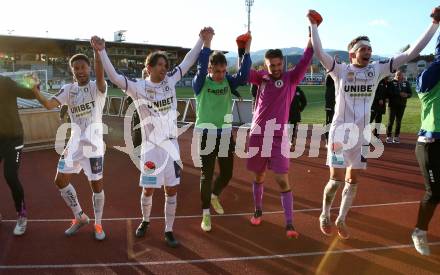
{"points": [[330, 190], [98, 205], [68, 193], [146, 205], [348, 195], [170, 211]]}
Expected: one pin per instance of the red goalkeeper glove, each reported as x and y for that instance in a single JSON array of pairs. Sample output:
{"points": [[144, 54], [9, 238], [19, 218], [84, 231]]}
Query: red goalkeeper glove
{"points": [[316, 16], [435, 15], [242, 40]]}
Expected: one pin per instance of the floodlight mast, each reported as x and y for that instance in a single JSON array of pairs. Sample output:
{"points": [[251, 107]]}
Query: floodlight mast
{"points": [[249, 4]]}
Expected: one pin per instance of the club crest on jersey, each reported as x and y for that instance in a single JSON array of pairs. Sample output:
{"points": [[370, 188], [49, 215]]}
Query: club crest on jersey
{"points": [[279, 83], [150, 94], [370, 74], [167, 88], [350, 76], [149, 167]]}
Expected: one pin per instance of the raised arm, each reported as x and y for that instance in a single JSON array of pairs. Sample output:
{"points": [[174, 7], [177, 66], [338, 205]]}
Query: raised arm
{"points": [[203, 60], [191, 57], [98, 45], [241, 77], [298, 73], [325, 59], [417, 47], [430, 77], [202, 70], [99, 73]]}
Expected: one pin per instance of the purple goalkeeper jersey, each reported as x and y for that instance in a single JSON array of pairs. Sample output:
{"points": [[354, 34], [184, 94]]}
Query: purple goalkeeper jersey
{"points": [[274, 96]]}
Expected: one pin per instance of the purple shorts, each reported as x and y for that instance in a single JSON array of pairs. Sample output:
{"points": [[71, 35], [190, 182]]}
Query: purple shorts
{"points": [[275, 160]]}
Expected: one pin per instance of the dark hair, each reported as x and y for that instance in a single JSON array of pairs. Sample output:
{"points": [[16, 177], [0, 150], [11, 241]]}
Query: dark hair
{"points": [[153, 57], [217, 58], [273, 53], [357, 39], [77, 57]]}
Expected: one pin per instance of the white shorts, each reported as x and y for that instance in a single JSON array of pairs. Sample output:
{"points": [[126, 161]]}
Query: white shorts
{"points": [[93, 167], [160, 165], [352, 158]]}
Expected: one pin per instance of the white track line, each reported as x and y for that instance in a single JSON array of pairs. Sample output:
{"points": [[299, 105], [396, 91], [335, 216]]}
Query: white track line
{"points": [[229, 259], [227, 215]]}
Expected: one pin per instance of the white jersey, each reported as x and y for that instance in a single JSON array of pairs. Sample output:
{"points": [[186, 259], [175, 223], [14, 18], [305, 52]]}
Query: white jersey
{"points": [[156, 104], [355, 89], [85, 107]]}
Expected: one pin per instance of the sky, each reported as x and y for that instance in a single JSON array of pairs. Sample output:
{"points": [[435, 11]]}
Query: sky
{"points": [[274, 23]]}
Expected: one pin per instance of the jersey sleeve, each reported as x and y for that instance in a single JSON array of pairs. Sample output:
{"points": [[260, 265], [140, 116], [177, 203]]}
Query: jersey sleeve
{"points": [[298, 73], [63, 95], [384, 68], [429, 77], [202, 70], [134, 88], [240, 78], [175, 75], [118, 79], [336, 69]]}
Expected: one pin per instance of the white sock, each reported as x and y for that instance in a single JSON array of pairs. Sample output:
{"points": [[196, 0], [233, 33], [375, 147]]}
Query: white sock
{"points": [[329, 195], [206, 211], [420, 231], [348, 195], [69, 195], [146, 204], [98, 205], [170, 212], [213, 196]]}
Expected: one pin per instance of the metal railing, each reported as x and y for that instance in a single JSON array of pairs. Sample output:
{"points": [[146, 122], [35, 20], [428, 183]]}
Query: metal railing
{"points": [[116, 106]]}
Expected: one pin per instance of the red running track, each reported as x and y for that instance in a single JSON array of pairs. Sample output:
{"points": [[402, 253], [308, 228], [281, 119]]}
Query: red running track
{"points": [[381, 223]]}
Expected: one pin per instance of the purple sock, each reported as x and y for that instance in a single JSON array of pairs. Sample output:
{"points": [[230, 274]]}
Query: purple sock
{"points": [[287, 202], [258, 189]]}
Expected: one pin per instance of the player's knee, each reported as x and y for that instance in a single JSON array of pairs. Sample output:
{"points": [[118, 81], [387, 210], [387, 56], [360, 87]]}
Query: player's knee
{"points": [[205, 177], [337, 174], [60, 181], [97, 186], [226, 176], [259, 177], [148, 192], [431, 197], [284, 185], [170, 191], [10, 176]]}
